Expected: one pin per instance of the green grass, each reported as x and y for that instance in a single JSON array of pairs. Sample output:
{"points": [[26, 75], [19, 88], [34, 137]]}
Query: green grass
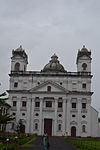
{"points": [[28, 144], [84, 143], [8, 146]]}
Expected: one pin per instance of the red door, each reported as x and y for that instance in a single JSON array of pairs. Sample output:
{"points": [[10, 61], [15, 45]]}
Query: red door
{"points": [[73, 131], [48, 126]]}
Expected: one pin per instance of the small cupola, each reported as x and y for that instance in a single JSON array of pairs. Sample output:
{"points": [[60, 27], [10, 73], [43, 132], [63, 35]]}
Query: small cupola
{"points": [[84, 49]]}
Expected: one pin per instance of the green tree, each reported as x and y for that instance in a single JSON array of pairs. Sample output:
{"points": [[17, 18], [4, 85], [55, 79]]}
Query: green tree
{"points": [[5, 117]]}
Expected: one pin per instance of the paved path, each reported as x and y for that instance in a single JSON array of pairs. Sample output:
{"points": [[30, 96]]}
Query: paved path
{"points": [[55, 144]]}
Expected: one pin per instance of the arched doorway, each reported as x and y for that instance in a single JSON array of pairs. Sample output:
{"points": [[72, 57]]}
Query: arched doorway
{"points": [[73, 131]]}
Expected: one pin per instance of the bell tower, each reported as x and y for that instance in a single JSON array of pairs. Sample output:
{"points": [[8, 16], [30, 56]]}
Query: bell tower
{"points": [[19, 60], [84, 60]]}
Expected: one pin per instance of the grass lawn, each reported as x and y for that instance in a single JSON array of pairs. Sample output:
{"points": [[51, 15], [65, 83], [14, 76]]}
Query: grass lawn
{"points": [[84, 143]]}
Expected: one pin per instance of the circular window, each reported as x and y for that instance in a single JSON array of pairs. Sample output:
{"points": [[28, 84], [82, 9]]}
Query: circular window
{"points": [[60, 83], [36, 114], [23, 114], [73, 115], [83, 116], [14, 114], [60, 115]]}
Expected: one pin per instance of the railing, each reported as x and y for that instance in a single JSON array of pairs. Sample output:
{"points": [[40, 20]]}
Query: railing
{"points": [[14, 108], [50, 109], [84, 110], [74, 110], [23, 109]]}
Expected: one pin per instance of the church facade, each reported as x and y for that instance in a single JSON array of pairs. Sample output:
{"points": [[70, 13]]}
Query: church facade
{"points": [[53, 99]]}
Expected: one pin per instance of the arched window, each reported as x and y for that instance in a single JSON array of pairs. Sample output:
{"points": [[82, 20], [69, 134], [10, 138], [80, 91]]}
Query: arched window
{"points": [[17, 66], [84, 66], [36, 126], [59, 127], [83, 128], [49, 88]]}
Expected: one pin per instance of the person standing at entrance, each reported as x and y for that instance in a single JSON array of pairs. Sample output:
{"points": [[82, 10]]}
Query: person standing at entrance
{"points": [[45, 141]]}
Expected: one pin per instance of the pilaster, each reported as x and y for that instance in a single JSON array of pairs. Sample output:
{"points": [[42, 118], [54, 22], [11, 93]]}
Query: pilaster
{"points": [[88, 107], [29, 107], [55, 122], [64, 117], [68, 128], [79, 108], [40, 118], [18, 109], [32, 114]]}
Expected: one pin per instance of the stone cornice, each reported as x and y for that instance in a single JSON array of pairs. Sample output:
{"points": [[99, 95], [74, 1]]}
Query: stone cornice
{"points": [[38, 73], [50, 93]]}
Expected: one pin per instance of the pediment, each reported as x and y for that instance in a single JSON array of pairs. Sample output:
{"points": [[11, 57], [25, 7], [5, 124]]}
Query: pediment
{"points": [[43, 87]]}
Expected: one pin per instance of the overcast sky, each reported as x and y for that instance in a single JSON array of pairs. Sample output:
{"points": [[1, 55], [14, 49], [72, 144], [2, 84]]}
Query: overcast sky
{"points": [[45, 27]]}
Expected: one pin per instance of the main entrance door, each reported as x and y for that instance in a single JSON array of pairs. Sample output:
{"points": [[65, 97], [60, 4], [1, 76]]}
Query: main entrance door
{"points": [[73, 131], [48, 126]]}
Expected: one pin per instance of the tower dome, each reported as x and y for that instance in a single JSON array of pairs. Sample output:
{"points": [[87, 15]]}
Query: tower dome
{"points": [[21, 52], [53, 65], [84, 49], [19, 60]]}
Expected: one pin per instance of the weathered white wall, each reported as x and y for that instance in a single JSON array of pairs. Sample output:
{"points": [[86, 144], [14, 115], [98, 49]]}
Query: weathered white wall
{"points": [[94, 122]]}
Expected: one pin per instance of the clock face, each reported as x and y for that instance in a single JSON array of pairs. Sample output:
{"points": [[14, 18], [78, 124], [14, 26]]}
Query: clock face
{"points": [[84, 66]]}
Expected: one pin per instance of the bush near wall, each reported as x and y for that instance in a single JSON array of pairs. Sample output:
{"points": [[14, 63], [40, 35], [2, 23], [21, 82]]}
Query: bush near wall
{"points": [[13, 141]]}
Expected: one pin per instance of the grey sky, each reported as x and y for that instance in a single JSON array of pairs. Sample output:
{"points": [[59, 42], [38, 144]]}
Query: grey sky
{"points": [[45, 27]]}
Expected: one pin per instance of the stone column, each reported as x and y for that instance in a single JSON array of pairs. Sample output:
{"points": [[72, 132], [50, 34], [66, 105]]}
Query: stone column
{"points": [[32, 114], [18, 116], [68, 127], [28, 128], [79, 126], [88, 108], [55, 122], [64, 117], [40, 118]]}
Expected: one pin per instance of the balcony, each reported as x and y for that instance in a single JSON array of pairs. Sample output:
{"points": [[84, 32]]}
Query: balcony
{"points": [[60, 109], [23, 109], [37, 109], [74, 110], [84, 110], [48, 109], [14, 108]]}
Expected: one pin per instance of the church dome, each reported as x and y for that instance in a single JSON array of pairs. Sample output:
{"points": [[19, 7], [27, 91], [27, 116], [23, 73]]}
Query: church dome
{"points": [[84, 49], [53, 65]]}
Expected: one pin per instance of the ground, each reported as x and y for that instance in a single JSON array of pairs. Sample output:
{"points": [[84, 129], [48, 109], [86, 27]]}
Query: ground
{"points": [[56, 143]]}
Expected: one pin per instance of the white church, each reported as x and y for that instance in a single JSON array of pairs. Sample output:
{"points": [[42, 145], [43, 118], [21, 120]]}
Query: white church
{"points": [[53, 99]]}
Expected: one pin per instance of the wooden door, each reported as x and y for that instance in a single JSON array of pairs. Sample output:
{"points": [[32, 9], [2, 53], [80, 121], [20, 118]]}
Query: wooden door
{"points": [[73, 131], [48, 126]]}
